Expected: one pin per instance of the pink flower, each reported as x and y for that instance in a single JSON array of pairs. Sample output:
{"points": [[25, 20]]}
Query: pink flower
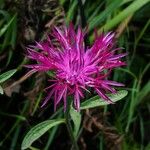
{"points": [[76, 67]]}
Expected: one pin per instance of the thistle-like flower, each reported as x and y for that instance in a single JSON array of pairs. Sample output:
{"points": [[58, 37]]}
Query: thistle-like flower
{"points": [[76, 68]]}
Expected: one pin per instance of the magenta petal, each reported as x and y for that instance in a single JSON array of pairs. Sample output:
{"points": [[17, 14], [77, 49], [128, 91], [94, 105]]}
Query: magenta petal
{"points": [[48, 97], [60, 94], [113, 83], [115, 57], [77, 101], [76, 68], [102, 94]]}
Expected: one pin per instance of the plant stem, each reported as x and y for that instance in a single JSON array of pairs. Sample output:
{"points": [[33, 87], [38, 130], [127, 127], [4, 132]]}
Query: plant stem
{"points": [[69, 128]]}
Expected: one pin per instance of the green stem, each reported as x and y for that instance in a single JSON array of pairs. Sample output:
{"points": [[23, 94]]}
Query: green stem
{"points": [[69, 128]]}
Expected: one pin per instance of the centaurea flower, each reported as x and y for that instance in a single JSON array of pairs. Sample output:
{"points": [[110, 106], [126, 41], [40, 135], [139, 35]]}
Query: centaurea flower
{"points": [[76, 67]]}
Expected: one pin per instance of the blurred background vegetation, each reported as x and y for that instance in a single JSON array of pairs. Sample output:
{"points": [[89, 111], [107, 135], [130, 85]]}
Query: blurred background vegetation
{"points": [[123, 126]]}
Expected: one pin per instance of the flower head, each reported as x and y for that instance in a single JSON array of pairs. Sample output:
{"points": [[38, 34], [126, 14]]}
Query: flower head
{"points": [[76, 67]]}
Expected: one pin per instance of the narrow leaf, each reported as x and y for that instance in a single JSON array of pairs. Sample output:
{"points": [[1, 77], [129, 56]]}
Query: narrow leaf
{"points": [[144, 91], [131, 9], [102, 16], [97, 101], [1, 90], [6, 26], [7, 75], [76, 118], [38, 130]]}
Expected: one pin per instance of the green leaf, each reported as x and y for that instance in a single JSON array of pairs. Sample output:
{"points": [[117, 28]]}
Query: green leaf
{"points": [[7, 75], [97, 101], [5, 14], [20, 117], [1, 90], [38, 130], [71, 11], [144, 91], [76, 118], [6, 26], [102, 16], [14, 32], [131, 9], [50, 73]]}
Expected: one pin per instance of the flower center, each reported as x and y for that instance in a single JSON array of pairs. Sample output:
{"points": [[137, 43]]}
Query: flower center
{"points": [[72, 79]]}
